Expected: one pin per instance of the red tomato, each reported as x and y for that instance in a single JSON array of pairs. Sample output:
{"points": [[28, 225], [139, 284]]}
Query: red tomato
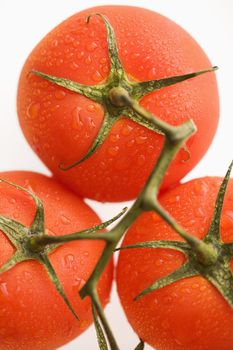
{"points": [[189, 314], [61, 125], [32, 313]]}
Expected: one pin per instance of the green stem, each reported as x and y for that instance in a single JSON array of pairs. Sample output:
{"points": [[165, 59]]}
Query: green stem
{"points": [[96, 301], [175, 138], [40, 242], [167, 154], [120, 97], [206, 253], [116, 233]]}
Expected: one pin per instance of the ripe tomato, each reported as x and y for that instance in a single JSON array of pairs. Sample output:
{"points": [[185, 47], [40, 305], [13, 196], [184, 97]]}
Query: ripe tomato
{"points": [[61, 125], [32, 313], [190, 313]]}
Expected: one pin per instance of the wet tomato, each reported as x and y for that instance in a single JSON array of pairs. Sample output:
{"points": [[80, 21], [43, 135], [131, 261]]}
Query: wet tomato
{"points": [[32, 313], [189, 313], [61, 125]]}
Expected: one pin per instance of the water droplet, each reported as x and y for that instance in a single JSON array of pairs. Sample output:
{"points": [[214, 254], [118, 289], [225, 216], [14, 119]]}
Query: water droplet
{"points": [[27, 185], [55, 43], [91, 46], [68, 39], [190, 223], [15, 215], [88, 60], [36, 92], [83, 324], [152, 73], [46, 146], [141, 68], [126, 130], [35, 139], [155, 217], [33, 110], [130, 143], [27, 276], [12, 200], [76, 43], [135, 55], [96, 76], [226, 222], [159, 262], [47, 104], [197, 188], [105, 69], [173, 199], [200, 213], [68, 260], [114, 137], [113, 150], [79, 283], [74, 65], [80, 54], [68, 330], [22, 304], [65, 220], [103, 60], [177, 341], [91, 123], [140, 140], [141, 159], [86, 253], [91, 108], [3, 289], [202, 288], [59, 94], [77, 121]]}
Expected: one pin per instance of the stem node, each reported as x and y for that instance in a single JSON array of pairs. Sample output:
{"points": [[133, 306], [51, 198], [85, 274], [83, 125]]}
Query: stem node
{"points": [[118, 96]]}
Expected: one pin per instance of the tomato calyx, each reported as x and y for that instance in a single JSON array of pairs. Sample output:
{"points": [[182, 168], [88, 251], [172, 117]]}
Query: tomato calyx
{"points": [[112, 93], [209, 257], [33, 243]]}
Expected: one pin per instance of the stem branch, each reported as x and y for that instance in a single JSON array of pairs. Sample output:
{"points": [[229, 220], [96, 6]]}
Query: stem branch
{"points": [[96, 301]]}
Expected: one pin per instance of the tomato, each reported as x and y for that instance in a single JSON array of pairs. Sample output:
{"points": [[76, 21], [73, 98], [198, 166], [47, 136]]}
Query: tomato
{"points": [[32, 313], [61, 125], [190, 313]]}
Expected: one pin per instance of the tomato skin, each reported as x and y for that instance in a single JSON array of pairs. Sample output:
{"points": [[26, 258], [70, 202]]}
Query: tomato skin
{"points": [[32, 313], [61, 125], [189, 314]]}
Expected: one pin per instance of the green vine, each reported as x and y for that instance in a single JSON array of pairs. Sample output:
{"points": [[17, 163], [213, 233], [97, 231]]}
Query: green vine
{"points": [[208, 257]]}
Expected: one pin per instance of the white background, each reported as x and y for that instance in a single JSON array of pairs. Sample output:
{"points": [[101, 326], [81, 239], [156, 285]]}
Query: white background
{"points": [[24, 22]]}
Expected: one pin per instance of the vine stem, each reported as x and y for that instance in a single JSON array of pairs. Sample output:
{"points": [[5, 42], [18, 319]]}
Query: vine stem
{"points": [[97, 304], [120, 97], [116, 234], [175, 136], [174, 140]]}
